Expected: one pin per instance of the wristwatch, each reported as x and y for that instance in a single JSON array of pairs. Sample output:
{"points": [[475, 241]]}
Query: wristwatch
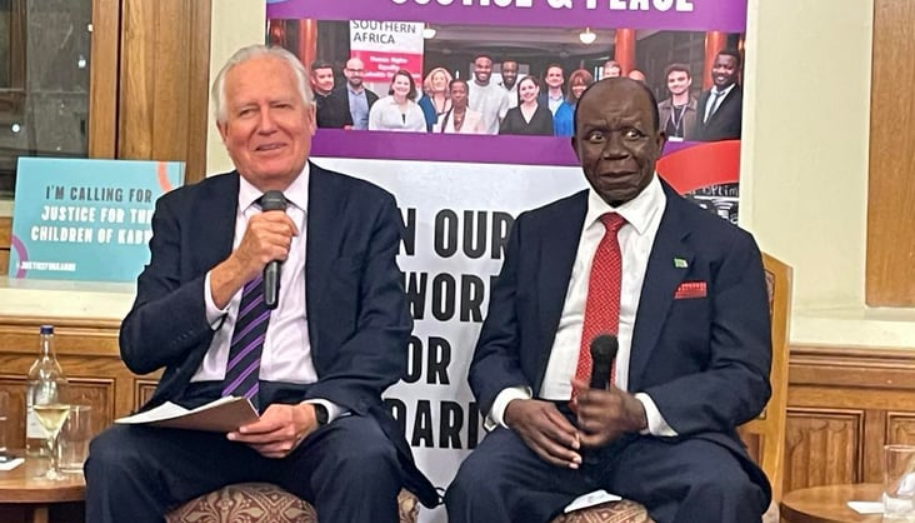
{"points": [[321, 415]]}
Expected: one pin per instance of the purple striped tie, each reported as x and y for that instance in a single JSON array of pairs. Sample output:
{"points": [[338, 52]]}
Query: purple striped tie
{"points": [[243, 369]]}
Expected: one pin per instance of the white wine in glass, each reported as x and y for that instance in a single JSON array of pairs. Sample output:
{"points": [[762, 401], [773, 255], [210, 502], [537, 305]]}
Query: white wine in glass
{"points": [[52, 417]]}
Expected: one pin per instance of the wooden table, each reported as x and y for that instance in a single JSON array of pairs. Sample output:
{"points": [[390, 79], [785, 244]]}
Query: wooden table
{"points": [[22, 487], [829, 504]]}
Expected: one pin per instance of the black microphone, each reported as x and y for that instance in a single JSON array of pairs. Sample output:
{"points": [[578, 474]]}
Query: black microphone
{"points": [[603, 351], [272, 201]]}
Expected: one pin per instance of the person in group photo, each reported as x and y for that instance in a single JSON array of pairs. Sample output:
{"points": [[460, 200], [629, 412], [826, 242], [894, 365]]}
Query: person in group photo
{"points": [[530, 117], [611, 69], [508, 70], [720, 109], [487, 97], [331, 111], [579, 80], [355, 95], [637, 75], [460, 118], [553, 78], [398, 111], [678, 112], [436, 99]]}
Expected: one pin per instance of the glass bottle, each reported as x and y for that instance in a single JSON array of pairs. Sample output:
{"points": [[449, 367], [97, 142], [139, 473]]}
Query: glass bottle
{"points": [[46, 380]]}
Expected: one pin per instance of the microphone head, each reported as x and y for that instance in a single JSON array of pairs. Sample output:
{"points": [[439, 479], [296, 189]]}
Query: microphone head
{"points": [[604, 348], [273, 201]]}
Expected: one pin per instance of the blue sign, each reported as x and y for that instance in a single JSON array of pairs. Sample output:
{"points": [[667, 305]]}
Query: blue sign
{"points": [[88, 220]]}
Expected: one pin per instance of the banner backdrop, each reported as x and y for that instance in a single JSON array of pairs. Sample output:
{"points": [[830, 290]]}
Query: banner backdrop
{"points": [[459, 193]]}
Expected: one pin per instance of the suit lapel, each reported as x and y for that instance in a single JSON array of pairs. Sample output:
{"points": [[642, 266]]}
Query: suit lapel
{"points": [[556, 252], [668, 265], [724, 104], [213, 230], [322, 218]]}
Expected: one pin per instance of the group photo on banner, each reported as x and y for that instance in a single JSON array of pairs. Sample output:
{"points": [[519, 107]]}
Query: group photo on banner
{"points": [[465, 111]]}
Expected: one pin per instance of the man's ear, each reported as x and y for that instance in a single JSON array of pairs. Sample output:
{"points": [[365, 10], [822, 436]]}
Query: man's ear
{"points": [[310, 114], [662, 141], [223, 128]]}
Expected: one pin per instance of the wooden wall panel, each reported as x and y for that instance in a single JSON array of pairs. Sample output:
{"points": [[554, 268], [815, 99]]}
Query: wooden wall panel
{"points": [[144, 391], [5, 225], [88, 353], [817, 437], [14, 385], [164, 82], [890, 273], [831, 386], [103, 84], [900, 428]]}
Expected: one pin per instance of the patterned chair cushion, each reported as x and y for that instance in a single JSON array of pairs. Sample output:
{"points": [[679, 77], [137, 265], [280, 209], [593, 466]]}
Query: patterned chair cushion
{"points": [[263, 503], [617, 512]]}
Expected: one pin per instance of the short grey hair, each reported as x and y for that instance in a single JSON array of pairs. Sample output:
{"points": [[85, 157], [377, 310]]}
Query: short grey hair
{"points": [[254, 51]]}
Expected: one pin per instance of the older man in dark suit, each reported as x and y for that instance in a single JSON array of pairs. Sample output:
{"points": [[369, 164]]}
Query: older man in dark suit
{"points": [[315, 366], [684, 295]]}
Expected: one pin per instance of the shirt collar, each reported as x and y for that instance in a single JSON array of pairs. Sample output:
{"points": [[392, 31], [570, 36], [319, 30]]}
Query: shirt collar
{"points": [[296, 193], [724, 91], [638, 212]]}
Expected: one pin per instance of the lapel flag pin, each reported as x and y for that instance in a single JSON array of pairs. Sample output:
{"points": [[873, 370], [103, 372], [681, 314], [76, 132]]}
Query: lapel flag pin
{"points": [[680, 263]]}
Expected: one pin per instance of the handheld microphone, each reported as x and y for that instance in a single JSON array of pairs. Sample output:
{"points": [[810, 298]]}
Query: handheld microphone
{"points": [[272, 201], [603, 351]]}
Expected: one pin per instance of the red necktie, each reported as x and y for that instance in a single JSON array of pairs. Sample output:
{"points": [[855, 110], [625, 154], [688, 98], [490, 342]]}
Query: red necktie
{"points": [[602, 308]]}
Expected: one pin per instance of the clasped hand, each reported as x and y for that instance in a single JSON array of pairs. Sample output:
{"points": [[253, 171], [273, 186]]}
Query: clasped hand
{"points": [[279, 431], [602, 417], [267, 238]]}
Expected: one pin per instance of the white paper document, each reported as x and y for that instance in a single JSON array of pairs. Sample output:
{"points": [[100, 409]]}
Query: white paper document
{"points": [[866, 507], [222, 415], [9, 463], [591, 499]]}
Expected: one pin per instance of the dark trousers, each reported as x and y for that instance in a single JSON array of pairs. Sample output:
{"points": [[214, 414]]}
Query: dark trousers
{"points": [[348, 470], [690, 481]]}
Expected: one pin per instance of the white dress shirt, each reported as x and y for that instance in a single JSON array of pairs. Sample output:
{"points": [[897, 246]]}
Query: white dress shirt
{"points": [[386, 115], [286, 355], [512, 94], [714, 100], [643, 216]]}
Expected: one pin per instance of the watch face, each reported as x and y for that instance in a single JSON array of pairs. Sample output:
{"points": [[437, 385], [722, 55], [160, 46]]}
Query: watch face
{"points": [[321, 414]]}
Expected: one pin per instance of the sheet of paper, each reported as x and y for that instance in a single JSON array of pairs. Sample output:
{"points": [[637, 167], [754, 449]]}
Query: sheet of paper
{"points": [[167, 410], [591, 499], [866, 507], [222, 415], [9, 463]]}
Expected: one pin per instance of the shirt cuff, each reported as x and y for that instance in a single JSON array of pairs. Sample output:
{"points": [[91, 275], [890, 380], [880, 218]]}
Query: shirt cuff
{"points": [[657, 425], [496, 416], [214, 316], [334, 411]]}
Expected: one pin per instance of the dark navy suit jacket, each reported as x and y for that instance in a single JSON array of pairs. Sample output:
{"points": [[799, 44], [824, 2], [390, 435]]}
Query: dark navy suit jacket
{"points": [[703, 360], [725, 123], [358, 320]]}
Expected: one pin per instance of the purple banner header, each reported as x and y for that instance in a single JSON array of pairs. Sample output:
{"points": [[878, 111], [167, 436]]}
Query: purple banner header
{"points": [[685, 15]]}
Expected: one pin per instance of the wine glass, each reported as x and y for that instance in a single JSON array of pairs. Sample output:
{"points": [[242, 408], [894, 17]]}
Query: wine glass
{"points": [[51, 415]]}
